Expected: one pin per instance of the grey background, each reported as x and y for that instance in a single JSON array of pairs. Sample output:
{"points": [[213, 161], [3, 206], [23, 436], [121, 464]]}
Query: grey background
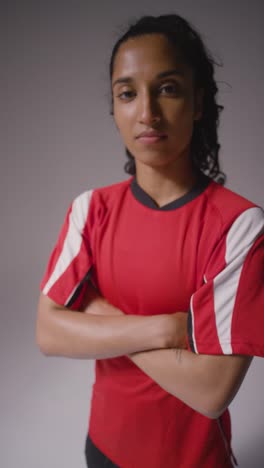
{"points": [[57, 140]]}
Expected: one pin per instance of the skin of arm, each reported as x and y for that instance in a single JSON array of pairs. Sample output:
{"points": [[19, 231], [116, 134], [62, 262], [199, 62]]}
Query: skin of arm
{"points": [[101, 331], [206, 383]]}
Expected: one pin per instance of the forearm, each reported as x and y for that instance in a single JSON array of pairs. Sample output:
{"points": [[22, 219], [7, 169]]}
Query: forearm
{"points": [[205, 383], [62, 332]]}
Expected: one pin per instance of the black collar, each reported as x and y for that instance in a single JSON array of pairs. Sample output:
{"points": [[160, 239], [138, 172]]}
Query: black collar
{"points": [[201, 184]]}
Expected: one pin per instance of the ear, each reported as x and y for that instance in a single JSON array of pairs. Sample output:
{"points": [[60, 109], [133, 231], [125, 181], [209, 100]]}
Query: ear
{"points": [[198, 104]]}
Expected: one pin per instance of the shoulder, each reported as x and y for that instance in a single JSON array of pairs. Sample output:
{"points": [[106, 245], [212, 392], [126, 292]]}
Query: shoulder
{"points": [[230, 207], [96, 199], [104, 192], [113, 191], [237, 226]]}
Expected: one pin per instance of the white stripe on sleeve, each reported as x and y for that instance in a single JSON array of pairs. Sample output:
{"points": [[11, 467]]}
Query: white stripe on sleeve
{"points": [[73, 239], [241, 236]]}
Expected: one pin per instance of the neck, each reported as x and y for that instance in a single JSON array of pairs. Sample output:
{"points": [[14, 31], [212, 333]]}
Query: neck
{"points": [[166, 184]]}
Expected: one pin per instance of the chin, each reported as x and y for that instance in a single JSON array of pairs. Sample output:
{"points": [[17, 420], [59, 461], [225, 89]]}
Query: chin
{"points": [[157, 159]]}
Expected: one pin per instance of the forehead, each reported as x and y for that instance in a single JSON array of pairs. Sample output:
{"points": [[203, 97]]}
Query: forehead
{"points": [[147, 55]]}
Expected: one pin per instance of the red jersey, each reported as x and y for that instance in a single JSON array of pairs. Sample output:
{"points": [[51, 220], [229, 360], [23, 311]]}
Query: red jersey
{"points": [[202, 253]]}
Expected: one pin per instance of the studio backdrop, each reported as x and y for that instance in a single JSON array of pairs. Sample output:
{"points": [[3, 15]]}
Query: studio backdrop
{"points": [[58, 140]]}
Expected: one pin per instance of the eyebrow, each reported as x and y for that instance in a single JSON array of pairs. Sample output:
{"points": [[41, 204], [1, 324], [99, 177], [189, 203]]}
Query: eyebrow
{"points": [[165, 74]]}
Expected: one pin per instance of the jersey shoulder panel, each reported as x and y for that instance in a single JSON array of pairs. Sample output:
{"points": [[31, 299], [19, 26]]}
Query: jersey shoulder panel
{"points": [[106, 191], [113, 190], [100, 201], [228, 204]]}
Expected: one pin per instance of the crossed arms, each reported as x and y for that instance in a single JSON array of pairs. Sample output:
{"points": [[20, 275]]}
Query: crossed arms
{"points": [[155, 344]]}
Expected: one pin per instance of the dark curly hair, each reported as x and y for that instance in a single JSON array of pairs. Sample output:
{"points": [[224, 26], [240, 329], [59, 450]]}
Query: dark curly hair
{"points": [[204, 144]]}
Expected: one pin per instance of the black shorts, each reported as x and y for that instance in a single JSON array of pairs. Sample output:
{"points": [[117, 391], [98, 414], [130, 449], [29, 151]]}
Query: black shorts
{"points": [[95, 458]]}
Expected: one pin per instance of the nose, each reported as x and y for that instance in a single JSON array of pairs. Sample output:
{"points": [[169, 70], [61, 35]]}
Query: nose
{"points": [[149, 112]]}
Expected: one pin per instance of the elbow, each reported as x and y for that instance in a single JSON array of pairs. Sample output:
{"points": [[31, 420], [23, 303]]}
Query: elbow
{"points": [[43, 348], [214, 407], [211, 403], [207, 404], [42, 341], [214, 413], [44, 335], [219, 380]]}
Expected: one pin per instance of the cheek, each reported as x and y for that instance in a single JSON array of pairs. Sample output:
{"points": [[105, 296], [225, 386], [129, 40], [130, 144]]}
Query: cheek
{"points": [[123, 119], [182, 117]]}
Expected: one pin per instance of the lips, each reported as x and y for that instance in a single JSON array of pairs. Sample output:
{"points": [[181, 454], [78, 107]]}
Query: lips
{"points": [[151, 134], [151, 137]]}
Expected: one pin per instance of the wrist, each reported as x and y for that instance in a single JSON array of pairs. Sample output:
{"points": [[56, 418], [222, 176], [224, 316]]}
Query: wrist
{"points": [[166, 336], [159, 328], [174, 330]]}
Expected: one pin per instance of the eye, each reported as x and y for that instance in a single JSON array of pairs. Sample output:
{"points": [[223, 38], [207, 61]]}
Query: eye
{"points": [[126, 95], [169, 88]]}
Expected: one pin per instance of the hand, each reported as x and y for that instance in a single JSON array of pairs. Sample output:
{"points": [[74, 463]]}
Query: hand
{"points": [[95, 304], [90, 295], [176, 330], [175, 325]]}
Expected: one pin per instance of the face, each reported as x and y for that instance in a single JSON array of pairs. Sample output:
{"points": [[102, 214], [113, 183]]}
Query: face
{"points": [[154, 101]]}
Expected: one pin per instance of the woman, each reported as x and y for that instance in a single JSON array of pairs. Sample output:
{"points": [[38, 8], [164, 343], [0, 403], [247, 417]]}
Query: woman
{"points": [[165, 245]]}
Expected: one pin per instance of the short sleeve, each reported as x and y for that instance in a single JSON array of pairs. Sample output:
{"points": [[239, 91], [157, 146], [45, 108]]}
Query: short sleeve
{"points": [[70, 263], [227, 312]]}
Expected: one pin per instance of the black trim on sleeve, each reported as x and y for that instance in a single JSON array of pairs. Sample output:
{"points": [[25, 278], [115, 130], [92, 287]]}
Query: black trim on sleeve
{"points": [[190, 331], [94, 456], [79, 288]]}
